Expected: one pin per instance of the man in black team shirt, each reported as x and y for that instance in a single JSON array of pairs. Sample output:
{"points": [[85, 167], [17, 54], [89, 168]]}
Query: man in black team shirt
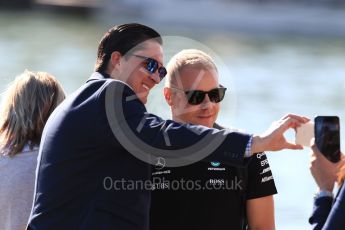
{"points": [[207, 195]]}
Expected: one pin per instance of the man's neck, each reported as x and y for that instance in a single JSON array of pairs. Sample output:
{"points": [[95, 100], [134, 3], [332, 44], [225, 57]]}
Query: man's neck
{"points": [[106, 75], [177, 119]]}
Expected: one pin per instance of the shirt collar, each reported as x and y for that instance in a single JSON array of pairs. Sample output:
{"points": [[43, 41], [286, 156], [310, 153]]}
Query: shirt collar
{"points": [[98, 76]]}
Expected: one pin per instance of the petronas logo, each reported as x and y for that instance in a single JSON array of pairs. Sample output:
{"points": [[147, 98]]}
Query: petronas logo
{"points": [[215, 164]]}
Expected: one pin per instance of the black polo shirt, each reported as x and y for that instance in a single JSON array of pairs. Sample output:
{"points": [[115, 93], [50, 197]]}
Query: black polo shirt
{"points": [[208, 195]]}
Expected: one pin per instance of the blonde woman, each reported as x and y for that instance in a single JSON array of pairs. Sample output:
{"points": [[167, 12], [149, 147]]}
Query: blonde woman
{"points": [[27, 104]]}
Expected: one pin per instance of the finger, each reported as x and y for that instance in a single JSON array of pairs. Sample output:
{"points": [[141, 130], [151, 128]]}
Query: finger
{"points": [[288, 115], [316, 151], [312, 170], [301, 119], [290, 123], [339, 164], [314, 147], [319, 155], [342, 160], [342, 157], [306, 119]]}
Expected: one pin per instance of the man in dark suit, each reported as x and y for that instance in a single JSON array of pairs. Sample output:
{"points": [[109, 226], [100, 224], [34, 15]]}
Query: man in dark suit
{"points": [[89, 175]]}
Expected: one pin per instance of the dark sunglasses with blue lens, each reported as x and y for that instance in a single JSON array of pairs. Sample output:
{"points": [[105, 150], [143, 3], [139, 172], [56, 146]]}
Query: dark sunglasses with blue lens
{"points": [[152, 66]]}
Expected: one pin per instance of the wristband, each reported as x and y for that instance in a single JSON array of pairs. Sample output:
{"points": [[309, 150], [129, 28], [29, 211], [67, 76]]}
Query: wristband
{"points": [[323, 193]]}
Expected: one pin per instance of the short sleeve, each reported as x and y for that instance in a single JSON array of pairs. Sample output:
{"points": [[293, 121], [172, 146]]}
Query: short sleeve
{"points": [[260, 181]]}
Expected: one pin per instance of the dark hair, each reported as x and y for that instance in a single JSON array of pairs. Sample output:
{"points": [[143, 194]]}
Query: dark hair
{"points": [[122, 38]]}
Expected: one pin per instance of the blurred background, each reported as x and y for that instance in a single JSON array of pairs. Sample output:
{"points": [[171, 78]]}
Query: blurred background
{"points": [[275, 57]]}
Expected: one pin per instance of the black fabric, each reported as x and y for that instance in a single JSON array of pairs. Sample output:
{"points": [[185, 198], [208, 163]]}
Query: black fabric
{"points": [[180, 207], [328, 213], [260, 178], [322, 208]]}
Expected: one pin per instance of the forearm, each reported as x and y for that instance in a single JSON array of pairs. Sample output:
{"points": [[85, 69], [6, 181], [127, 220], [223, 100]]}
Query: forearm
{"points": [[259, 144], [273, 139]]}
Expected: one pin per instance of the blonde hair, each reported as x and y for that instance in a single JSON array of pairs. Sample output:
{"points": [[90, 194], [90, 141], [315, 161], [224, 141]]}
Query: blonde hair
{"points": [[187, 58], [27, 104]]}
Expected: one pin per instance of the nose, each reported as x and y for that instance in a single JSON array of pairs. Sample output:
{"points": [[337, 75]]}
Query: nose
{"points": [[155, 77], [206, 103]]}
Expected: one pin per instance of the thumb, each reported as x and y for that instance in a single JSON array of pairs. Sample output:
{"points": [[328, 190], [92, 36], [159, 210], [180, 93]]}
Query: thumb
{"points": [[293, 146], [312, 144], [314, 148]]}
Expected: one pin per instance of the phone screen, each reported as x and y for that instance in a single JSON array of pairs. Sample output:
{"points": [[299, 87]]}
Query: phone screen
{"points": [[327, 136]]}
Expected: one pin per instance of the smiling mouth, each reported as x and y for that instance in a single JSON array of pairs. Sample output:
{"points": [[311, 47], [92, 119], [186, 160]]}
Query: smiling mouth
{"points": [[145, 86], [205, 117]]}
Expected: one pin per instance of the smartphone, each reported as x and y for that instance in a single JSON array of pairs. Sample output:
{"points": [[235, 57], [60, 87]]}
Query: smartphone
{"points": [[327, 136], [304, 134]]}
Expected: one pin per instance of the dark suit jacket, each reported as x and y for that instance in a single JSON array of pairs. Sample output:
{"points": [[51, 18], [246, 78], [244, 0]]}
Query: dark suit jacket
{"points": [[84, 174], [328, 214]]}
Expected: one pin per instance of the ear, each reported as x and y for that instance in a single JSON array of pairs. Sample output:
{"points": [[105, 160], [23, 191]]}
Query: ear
{"points": [[167, 95], [115, 60]]}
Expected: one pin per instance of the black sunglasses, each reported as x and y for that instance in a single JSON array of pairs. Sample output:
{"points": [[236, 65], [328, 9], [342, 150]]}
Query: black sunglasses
{"points": [[196, 97], [152, 66]]}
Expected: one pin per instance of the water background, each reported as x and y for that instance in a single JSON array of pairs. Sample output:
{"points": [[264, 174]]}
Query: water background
{"points": [[267, 77]]}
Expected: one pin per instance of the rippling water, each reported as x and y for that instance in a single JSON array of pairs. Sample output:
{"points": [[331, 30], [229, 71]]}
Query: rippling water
{"points": [[267, 78]]}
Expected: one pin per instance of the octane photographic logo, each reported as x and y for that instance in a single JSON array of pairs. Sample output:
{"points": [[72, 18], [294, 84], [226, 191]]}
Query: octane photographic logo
{"points": [[130, 139]]}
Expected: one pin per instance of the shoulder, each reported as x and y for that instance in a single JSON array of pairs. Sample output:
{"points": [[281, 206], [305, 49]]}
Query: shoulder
{"points": [[260, 178], [258, 158], [231, 129], [258, 166], [104, 82]]}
